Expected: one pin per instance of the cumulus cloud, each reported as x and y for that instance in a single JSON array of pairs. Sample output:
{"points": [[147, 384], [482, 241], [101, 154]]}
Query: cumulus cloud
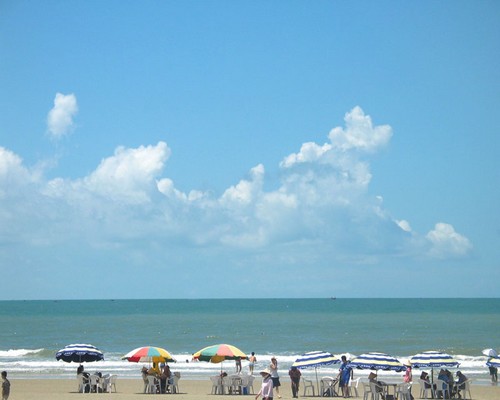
{"points": [[446, 242], [130, 173], [60, 117], [320, 208], [359, 135]]}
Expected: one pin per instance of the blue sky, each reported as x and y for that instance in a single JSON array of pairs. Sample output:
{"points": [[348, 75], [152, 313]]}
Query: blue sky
{"points": [[194, 149]]}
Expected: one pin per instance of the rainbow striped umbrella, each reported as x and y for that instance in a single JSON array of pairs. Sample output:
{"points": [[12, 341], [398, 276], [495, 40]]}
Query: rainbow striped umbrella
{"points": [[150, 354], [377, 361], [218, 353]]}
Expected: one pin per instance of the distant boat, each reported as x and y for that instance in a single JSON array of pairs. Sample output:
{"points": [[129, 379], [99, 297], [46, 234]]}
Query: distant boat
{"points": [[333, 298]]}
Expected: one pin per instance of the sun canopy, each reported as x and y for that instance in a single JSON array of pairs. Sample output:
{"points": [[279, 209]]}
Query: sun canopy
{"points": [[79, 353], [433, 359], [377, 361], [314, 359], [149, 354], [218, 353]]}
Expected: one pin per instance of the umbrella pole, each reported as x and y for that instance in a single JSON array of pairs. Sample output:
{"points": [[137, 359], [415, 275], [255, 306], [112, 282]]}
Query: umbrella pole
{"points": [[317, 382]]}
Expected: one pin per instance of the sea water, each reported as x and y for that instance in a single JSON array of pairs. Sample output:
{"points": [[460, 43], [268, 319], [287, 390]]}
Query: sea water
{"points": [[33, 331]]}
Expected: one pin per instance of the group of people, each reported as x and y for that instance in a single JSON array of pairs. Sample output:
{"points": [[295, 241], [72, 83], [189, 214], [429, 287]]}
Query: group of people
{"points": [[87, 386], [162, 373], [271, 380]]}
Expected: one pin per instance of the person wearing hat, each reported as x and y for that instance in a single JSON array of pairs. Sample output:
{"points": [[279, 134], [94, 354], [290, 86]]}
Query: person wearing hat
{"points": [[274, 376], [266, 390], [408, 375]]}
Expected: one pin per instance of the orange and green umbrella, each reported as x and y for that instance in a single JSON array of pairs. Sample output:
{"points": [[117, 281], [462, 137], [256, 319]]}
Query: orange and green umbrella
{"points": [[218, 353]]}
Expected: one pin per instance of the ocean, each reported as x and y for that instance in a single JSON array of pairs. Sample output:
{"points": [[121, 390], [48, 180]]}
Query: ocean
{"points": [[33, 331]]}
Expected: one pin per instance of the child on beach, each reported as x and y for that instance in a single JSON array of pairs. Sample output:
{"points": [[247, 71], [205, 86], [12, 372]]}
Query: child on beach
{"points": [[5, 386]]}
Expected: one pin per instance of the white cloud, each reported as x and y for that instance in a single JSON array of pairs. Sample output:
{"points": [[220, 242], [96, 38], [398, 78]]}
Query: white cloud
{"points": [[446, 242], [321, 208], [360, 133], [245, 191], [309, 152], [404, 225], [60, 117], [130, 173]]}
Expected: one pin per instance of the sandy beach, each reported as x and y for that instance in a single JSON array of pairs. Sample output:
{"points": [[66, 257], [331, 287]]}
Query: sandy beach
{"points": [[55, 389]]}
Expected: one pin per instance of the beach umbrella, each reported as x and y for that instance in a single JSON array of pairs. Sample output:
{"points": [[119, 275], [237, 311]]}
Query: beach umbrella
{"points": [[315, 359], [377, 361], [493, 362], [79, 353], [433, 359], [149, 354], [490, 352], [218, 353]]}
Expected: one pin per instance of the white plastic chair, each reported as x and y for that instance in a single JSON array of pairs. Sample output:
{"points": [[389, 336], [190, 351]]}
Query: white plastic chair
{"points": [[440, 387], [353, 385], [249, 386], [308, 384], [426, 387], [367, 391], [245, 384], [326, 386], [226, 384], [112, 383], [95, 384], [403, 391], [81, 383], [216, 384], [174, 386], [377, 391], [153, 385], [466, 389], [235, 384]]}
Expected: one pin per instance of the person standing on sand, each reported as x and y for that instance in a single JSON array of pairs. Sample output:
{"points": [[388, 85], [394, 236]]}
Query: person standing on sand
{"points": [[5, 386], [266, 390], [238, 365], [275, 376], [408, 378], [493, 373], [252, 360], [344, 376], [295, 375]]}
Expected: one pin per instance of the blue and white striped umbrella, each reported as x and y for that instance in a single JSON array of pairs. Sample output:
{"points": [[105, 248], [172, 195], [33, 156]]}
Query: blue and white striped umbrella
{"points": [[433, 359], [315, 359], [79, 353], [377, 361], [493, 362]]}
